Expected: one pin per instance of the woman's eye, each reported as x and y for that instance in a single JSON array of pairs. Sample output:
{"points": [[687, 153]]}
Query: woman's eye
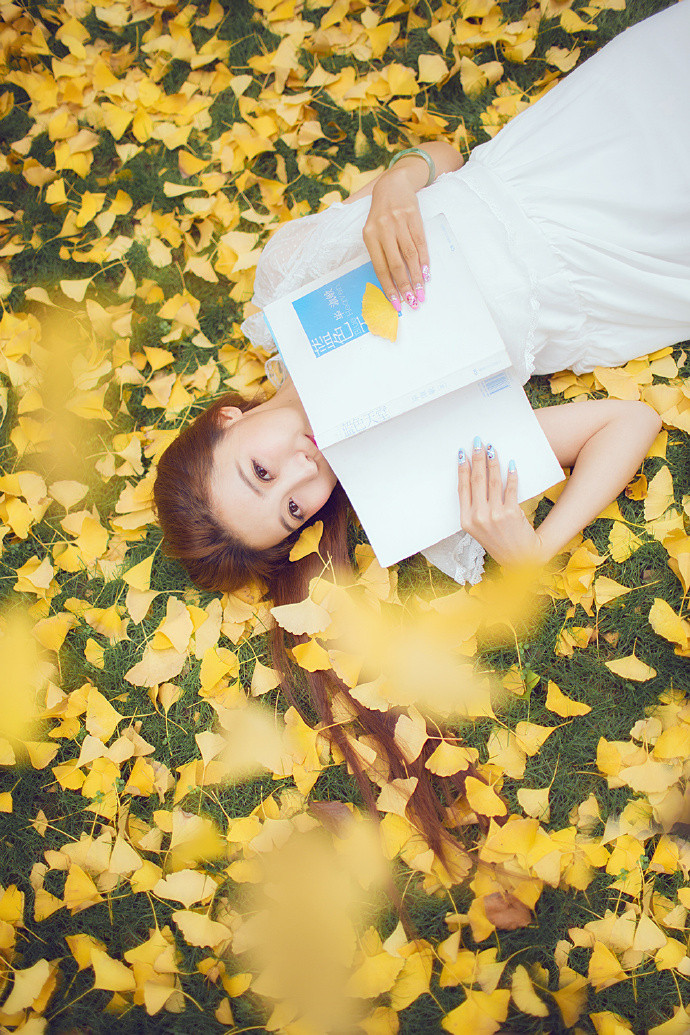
{"points": [[260, 471], [294, 510]]}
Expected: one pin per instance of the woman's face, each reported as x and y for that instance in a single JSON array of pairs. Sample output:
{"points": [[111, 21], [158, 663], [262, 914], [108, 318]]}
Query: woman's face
{"points": [[268, 475]]}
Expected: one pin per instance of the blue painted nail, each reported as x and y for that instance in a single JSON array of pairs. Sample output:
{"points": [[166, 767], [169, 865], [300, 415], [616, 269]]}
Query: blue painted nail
{"points": [[461, 456], [511, 467], [477, 444], [490, 451]]}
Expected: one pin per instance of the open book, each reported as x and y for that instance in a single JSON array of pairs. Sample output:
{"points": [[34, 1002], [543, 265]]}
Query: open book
{"points": [[391, 416]]}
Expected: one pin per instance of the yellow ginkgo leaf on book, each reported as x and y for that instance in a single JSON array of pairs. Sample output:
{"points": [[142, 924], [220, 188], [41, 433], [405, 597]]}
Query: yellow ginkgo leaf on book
{"points": [[631, 667], [378, 313]]}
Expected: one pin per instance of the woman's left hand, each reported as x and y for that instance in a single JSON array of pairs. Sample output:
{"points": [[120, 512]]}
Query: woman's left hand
{"points": [[490, 514], [395, 240]]}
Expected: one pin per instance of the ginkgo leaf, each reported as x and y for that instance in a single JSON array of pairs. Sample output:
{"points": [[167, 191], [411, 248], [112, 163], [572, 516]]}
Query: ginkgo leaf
{"points": [[308, 541], [311, 656], [665, 622], [411, 734], [524, 996], [75, 289], [561, 704], [506, 912], [530, 736], [622, 542], [447, 759], [80, 891], [305, 617], [186, 886], [606, 590], [604, 969], [379, 314], [101, 718], [396, 794], [375, 976], [535, 802], [571, 996], [631, 667], [111, 974], [483, 799], [264, 679], [139, 576], [198, 929], [27, 987], [482, 1013], [659, 495], [432, 68]]}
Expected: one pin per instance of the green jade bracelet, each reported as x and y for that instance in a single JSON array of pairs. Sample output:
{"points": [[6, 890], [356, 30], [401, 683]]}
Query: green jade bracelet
{"points": [[422, 154]]}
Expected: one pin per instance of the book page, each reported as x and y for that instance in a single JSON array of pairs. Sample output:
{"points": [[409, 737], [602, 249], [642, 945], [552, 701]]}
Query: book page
{"points": [[349, 379], [401, 476]]}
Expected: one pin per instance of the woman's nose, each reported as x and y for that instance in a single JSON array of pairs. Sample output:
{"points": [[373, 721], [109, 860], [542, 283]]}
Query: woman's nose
{"points": [[301, 467]]}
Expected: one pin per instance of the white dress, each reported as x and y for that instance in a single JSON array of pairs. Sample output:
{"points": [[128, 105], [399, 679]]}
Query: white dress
{"points": [[575, 220]]}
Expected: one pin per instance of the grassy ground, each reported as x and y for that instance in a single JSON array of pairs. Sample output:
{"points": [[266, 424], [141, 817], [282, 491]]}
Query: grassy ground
{"points": [[173, 269]]}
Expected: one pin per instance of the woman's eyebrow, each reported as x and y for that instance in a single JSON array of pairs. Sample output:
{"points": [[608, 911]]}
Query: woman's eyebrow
{"points": [[259, 492], [252, 485]]}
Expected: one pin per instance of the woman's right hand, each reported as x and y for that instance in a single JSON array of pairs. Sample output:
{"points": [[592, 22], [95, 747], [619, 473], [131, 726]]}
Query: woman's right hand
{"points": [[394, 235], [490, 514]]}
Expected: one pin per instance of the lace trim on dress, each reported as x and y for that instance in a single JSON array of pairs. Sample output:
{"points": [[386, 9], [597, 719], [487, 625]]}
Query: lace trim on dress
{"points": [[459, 556], [475, 184]]}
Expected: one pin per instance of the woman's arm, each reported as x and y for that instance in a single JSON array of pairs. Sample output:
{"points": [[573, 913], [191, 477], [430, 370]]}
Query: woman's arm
{"points": [[393, 232], [603, 441]]}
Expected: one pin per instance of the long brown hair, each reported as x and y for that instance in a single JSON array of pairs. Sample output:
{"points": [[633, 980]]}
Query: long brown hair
{"points": [[215, 560]]}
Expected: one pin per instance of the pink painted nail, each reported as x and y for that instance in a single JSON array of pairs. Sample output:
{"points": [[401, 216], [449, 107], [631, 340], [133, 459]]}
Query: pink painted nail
{"points": [[426, 273], [419, 292], [411, 300], [395, 302]]}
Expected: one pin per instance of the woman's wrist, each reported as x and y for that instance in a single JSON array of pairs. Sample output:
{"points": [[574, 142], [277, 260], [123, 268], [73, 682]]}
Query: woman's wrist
{"points": [[411, 170]]}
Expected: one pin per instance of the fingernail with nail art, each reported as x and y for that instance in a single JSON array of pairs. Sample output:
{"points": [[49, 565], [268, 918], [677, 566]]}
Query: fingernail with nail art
{"points": [[426, 273], [477, 444], [511, 467], [395, 302], [411, 300], [490, 451], [419, 292], [461, 456]]}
